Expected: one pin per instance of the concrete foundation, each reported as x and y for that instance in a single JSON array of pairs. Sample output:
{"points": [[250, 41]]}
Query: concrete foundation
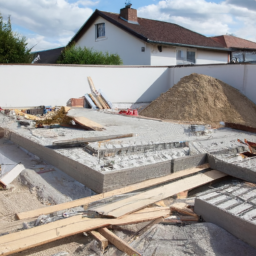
{"points": [[232, 208], [101, 182], [242, 169]]}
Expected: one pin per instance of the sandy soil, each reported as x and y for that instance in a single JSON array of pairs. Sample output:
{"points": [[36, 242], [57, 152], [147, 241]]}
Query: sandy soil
{"points": [[203, 99]]}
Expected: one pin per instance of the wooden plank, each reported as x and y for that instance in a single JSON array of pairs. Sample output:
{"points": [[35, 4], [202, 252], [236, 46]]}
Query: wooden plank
{"points": [[87, 200], [183, 209], [100, 99], [91, 84], [180, 219], [91, 139], [182, 195], [117, 242], [102, 240], [29, 238], [89, 101], [88, 123], [11, 175], [134, 203], [96, 102], [105, 98]]}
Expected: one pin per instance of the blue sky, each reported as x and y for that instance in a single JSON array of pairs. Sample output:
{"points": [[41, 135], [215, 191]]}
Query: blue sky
{"points": [[50, 24]]}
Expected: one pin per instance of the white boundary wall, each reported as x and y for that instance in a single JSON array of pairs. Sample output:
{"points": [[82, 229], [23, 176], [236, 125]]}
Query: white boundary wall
{"points": [[34, 85]]}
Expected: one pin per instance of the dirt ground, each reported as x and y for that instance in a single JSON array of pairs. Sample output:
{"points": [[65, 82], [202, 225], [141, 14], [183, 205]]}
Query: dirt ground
{"points": [[203, 99]]}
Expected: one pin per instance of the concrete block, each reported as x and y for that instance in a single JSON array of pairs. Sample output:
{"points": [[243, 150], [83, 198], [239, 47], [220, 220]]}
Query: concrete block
{"points": [[230, 212], [82, 173], [239, 171], [117, 179], [183, 163]]}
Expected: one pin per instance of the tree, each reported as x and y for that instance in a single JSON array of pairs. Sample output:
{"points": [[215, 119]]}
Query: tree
{"points": [[13, 47], [78, 55]]}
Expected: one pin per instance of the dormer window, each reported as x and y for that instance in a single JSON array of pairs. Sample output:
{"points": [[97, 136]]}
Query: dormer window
{"points": [[100, 30]]}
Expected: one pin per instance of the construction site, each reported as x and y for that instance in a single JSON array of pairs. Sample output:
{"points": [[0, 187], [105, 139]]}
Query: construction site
{"points": [[128, 160]]}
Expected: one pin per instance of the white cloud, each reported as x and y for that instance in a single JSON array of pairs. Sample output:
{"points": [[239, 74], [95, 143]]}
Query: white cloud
{"points": [[204, 17], [50, 21]]}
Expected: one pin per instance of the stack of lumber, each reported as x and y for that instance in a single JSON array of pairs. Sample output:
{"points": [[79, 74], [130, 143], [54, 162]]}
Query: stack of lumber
{"points": [[96, 99], [134, 209]]}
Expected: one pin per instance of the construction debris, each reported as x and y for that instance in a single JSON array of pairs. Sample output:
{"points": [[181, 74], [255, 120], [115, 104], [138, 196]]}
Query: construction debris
{"points": [[97, 97], [203, 99], [8, 177]]}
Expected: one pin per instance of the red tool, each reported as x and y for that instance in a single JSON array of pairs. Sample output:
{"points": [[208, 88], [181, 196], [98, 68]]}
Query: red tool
{"points": [[129, 112]]}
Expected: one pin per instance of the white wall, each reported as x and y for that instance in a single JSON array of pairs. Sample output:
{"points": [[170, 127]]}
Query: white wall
{"points": [[34, 85], [117, 41], [230, 74], [166, 57], [211, 57]]}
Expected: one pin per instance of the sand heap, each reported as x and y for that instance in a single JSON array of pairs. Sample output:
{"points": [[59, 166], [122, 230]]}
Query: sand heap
{"points": [[203, 99]]}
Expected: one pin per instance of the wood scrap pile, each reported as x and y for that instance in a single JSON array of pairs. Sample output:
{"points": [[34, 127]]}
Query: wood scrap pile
{"points": [[96, 99], [100, 219], [61, 118]]}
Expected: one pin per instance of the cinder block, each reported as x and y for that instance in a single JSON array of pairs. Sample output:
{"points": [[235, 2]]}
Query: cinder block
{"points": [[183, 163], [235, 217], [117, 179], [234, 170]]}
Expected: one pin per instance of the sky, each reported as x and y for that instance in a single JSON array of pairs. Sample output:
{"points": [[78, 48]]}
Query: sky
{"points": [[49, 24]]}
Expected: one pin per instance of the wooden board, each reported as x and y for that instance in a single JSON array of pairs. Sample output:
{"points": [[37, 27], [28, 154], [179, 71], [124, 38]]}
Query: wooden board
{"points": [[101, 239], [12, 174], [87, 200], [91, 84], [91, 139], [102, 102], [96, 102], [183, 209], [117, 242], [89, 101], [134, 203], [88, 123], [29, 238], [105, 98]]}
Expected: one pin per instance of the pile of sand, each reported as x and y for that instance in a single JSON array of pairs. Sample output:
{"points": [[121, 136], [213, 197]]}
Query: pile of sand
{"points": [[203, 99]]}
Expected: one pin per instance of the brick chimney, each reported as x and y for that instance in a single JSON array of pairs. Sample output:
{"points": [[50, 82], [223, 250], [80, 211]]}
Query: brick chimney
{"points": [[128, 14]]}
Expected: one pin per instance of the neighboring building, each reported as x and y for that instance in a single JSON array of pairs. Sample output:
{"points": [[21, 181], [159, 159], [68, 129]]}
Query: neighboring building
{"points": [[242, 50], [140, 41], [47, 56]]}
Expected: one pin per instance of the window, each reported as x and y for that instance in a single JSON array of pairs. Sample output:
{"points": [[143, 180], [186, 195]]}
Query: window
{"points": [[185, 56], [100, 30]]}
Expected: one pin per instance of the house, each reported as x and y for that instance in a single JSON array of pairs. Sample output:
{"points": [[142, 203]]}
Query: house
{"points": [[48, 56], [141, 41], [242, 50]]}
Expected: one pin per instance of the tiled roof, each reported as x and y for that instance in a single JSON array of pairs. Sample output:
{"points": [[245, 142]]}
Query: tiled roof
{"points": [[153, 30], [234, 42]]}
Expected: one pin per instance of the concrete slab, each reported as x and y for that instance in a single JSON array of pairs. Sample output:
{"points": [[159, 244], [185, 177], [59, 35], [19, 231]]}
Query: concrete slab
{"points": [[230, 211]]}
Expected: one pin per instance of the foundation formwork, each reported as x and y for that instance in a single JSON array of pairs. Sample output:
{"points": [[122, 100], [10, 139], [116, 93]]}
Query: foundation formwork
{"points": [[101, 182]]}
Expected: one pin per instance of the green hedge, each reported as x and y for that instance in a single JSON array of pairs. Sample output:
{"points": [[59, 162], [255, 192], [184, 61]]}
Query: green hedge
{"points": [[78, 55]]}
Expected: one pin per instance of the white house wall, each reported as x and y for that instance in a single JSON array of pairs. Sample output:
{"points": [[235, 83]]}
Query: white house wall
{"points": [[166, 57], [211, 57], [116, 41]]}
